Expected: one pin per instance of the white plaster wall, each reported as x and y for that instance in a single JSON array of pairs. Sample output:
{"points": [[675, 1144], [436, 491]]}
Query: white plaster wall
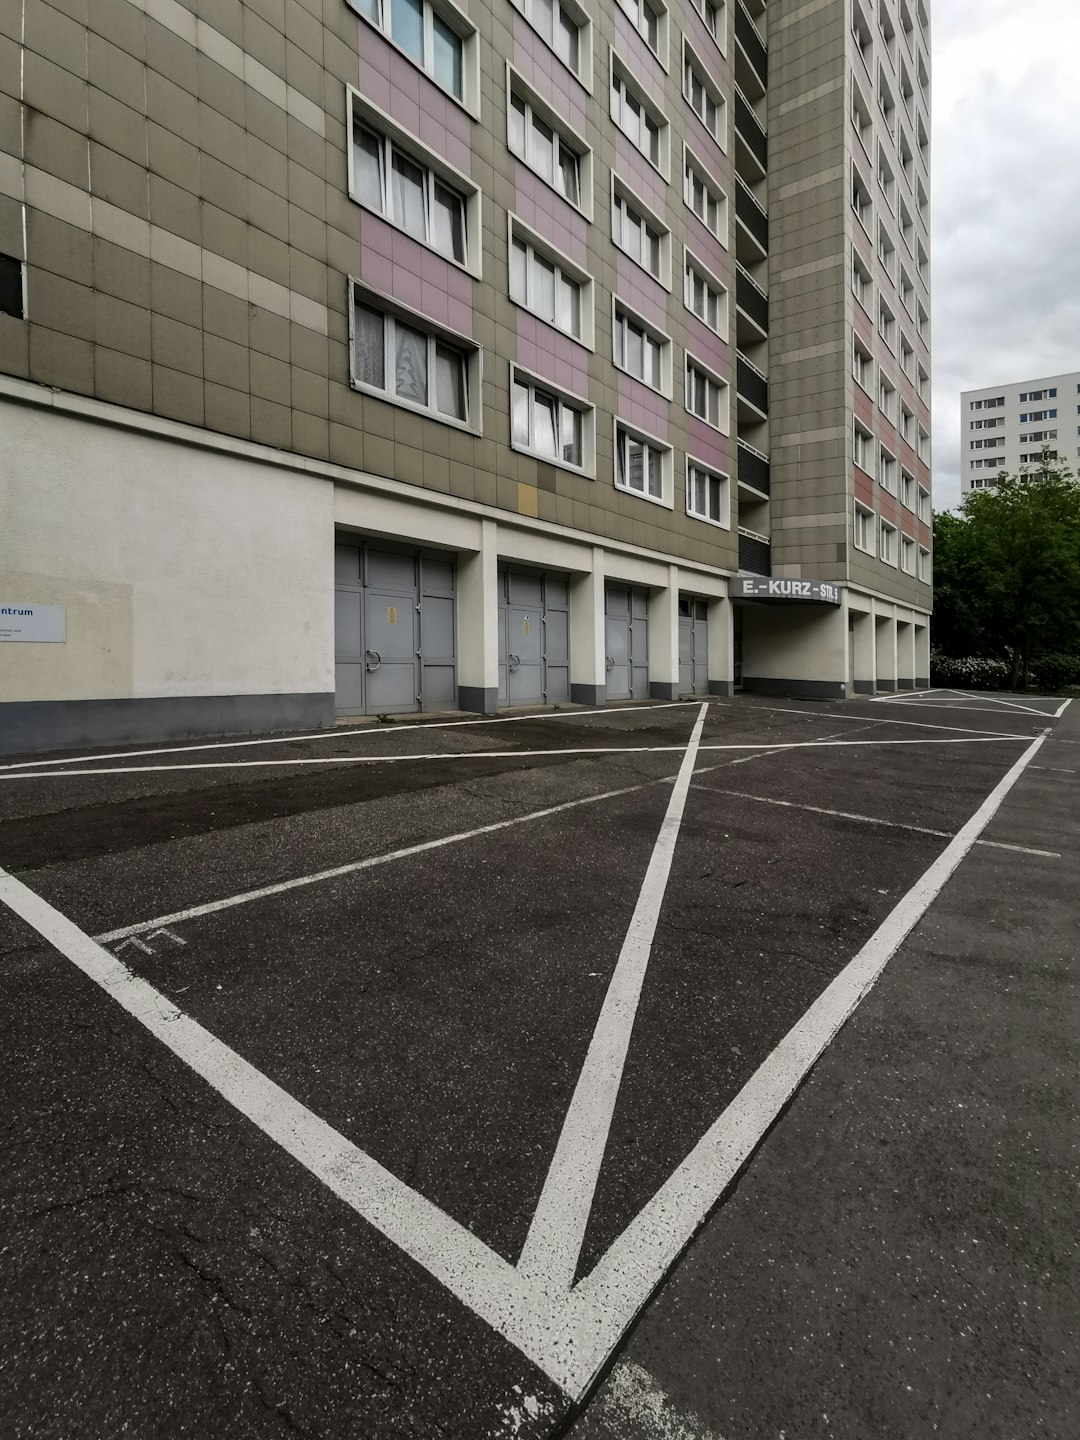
{"points": [[784, 642], [184, 572]]}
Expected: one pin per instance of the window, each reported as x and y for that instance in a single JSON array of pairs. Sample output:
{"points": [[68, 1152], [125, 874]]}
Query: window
{"points": [[705, 98], [11, 287], [561, 29], [860, 198], [706, 396], [412, 366], [907, 555], [886, 250], [861, 447], [707, 203], [861, 284], [922, 320], [886, 102], [907, 419], [640, 236], [907, 489], [549, 425], [707, 494], [640, 464], [649, 19], [864, 529], [861, 34], [907, 357], [706, 297], [924, 504], [887, 326], [712, 12], [435, 38], [907, 225], [887, 544], [924, 564], [639, 350], [922, 383], [399, 184], [545, 149], [862, 367], [642, 125], [924, 446], [888, 30], [1035, 395], [907, 290], [886, 179], [886, 398], [887, 472], [860, 117], [547, 288], [1032, 416]]}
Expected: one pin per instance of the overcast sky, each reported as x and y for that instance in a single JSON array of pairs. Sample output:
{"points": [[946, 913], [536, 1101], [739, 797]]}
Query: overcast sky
{"points": [[1006, 205]]}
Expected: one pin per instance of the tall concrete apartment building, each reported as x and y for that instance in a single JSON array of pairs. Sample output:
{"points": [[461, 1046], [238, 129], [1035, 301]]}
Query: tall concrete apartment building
{"points": [[366, 356], [1007, 427]]}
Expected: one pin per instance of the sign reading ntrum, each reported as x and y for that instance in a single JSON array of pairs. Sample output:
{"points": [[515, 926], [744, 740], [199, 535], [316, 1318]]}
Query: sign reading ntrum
{"points": [[822, 592]]}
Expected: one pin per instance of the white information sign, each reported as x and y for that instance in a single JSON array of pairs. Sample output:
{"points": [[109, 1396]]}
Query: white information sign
{"points": [[32, 622]]}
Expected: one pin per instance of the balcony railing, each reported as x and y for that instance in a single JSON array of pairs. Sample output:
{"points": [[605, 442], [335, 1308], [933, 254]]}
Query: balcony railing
{"points": [[746, 32], [750, 298], [754, 468], [751, 384], [751, 214], [755, 553], [751, 129]]}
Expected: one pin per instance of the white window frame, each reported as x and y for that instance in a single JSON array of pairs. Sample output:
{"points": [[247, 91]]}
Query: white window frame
{"points": [[693, 65], [454, 18], [624, 93], [907, 554], [392, 313], [391, 135], [535, 106], [539, 246], [887, 397], [667, 460], [886, 324], [710, 191], [717, 31], [888, 468], [634, 10], [862, 281], [694, 464], [887, 543], [577, 17], [862, 442], [862, 522], [925, 572], [631, 317], [864, 207], [862, 364], [520, 376], [861, 118], [691, 262], [924, 504], [623, 197], [908, 489], [722, 425]]}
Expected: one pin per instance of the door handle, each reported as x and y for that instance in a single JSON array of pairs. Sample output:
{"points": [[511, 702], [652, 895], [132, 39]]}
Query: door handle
{"points": [[609, 662], [367, 661], [513, 662]]}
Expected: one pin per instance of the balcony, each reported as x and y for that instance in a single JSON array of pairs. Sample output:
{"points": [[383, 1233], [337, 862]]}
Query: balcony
{"points": [[751, 299], [754, 468], [751, 216], [755, 553], [751, 386], [750, 130], [753, 47]]}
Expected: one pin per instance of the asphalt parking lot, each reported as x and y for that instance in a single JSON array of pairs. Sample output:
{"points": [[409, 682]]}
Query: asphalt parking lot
{"points": [[447, 1079]]}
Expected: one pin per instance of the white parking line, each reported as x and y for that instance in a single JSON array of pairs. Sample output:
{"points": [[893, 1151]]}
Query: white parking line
{"points": [[327, 760], [362, 731], [968, 709], [871, 720], [1061, 709]]}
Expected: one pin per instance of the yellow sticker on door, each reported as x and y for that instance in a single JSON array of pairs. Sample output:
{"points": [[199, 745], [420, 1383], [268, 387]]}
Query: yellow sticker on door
{"points": [[525, 628], [391, 614]]}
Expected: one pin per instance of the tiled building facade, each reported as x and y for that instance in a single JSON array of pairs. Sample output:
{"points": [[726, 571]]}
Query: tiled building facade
{"points": [[1017, 427], [373, 355]]}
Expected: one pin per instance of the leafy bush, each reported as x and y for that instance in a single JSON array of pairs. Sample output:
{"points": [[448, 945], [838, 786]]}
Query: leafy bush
{"points": [[970, 673], [1055, 672]]}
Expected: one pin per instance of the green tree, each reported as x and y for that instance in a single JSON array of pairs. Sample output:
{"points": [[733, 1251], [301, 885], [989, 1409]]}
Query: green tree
{"points": [[1007, 570]]}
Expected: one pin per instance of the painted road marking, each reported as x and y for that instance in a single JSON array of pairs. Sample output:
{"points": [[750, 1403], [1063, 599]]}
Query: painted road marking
{"points": [[968, 709], [362, 731], [1061, 709], [1053, 770], [553, 1245], [988, 739], [568, 1333], [871, 720], [875, 820]]}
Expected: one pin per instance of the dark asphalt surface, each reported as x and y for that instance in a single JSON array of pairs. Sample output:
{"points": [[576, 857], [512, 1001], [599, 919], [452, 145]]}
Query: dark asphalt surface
{"points": [[910, 1221]]}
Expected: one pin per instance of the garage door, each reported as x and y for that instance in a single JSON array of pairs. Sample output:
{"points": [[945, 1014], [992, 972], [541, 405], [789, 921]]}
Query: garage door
{"points": [[394, 631], [534, 637], [627, 642], [693, 645]]}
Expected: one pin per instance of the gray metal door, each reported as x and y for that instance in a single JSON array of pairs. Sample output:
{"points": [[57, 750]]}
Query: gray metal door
{"points": [[693, 645], [534, 638], [626, 629], [394, 617]]}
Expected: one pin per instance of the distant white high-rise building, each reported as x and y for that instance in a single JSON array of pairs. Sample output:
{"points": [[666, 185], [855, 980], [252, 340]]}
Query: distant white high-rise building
{"points": [[1006, 427]]}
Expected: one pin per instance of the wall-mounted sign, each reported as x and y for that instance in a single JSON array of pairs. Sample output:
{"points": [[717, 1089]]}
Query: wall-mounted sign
{"points": [[32, 622], [753, 587]]}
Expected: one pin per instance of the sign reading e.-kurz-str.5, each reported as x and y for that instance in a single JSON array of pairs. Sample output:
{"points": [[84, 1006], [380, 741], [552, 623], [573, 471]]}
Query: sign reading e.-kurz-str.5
{"points": [[753, 587]]}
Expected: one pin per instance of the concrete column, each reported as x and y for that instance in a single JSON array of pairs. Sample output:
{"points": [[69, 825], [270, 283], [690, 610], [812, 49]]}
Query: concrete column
{"points": [[721, 647], [922, 657], [885, 627], [588, 652], [865, 655], [664, 639], [905, 655], [478, 623]]}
